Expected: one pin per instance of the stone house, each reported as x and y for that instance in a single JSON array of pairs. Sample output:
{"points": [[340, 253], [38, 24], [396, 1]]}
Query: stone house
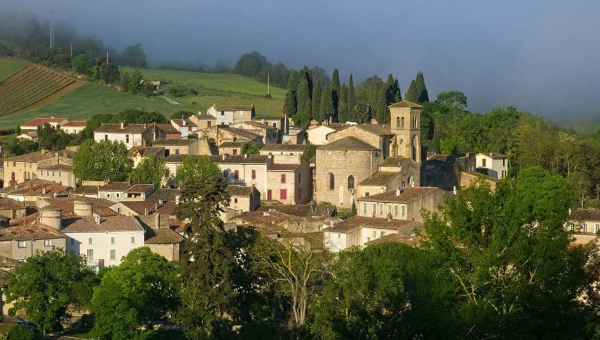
{"points": [[231, 114], [282, 149], [279, 122], [360, 230], [318, 135], [232, 148], [178, 146], [32, 125], [403, 204], [160, 238], [295, 136], [393, 172], [243, 199], [21, 242], [340, 166], [184, 126], [268, 133], [21, 168], [30, 191], [289, 180], [304, 218], [165, 131], [202, 121], [585, 225], [493, 164], [59, 173], [467, 179], [131, 134], [138, 153], [12, 209], [135, 208], [220, 135]]}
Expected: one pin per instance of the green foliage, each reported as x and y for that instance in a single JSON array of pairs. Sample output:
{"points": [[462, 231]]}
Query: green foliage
{"points": [[109, 73], [150, 170], [52, 138], [309, 151], [183, 114], [351, 100], [134, 56], [20, 333], [103, 161], [251, 148], [412, 94], [80, 64], [327, 108], [453, 99], [44, 287], [302, 96], [255, 65], [289, 103], [292, 84], [421, 88], [316, 100], [144, 287], [200, 167]]}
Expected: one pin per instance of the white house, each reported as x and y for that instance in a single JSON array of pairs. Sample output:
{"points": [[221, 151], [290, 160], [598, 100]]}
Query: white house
{"points": [[230, 114], [493, 164], [318, 135], [130, 134]]}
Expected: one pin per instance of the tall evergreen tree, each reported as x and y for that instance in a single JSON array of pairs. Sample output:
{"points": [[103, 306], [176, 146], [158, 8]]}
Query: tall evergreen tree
{"points": [[327, 108], [316, 99], [351, 100], [306, 73], [421, 88], [289, 103], [343, 104], [302, 95], [383, 112], [335, 80], [374, 100], [392, 90], [309, 110], [412, 94], [293, 81]]}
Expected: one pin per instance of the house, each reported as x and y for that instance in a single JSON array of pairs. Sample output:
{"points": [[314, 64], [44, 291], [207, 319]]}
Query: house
{"points": [[184, 126], [202, 121], [162, 195], [340, 166], [30, 191], [31, 135], [268, 133], [59, 173], [392, 173], [135, 208], [138, 153], [585, 225], [166, 131], [304, 218], [160, 238], [493, 164], [35, 123], [20, 242], [114, 191], [220, 134], [318, 135], [282, 149], [21, 168], [360, 230], [404, 204], [178, 146], [232, 148], [289, 180], [104, 240], [74, 126], [467, 179], [295, 136], [12, 209], [231, 114], [279, 122], [131, 134], [243, 199]]}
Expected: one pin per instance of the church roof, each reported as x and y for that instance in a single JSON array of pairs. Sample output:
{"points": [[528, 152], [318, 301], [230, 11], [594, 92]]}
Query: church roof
{"points": [[405, 103], [348, 143]]}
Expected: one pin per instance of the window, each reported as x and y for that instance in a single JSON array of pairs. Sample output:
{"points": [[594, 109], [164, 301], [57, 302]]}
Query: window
{"points": [[398, 122], [374, 208], [483, 162], [396, 210], [364, 208], [283, 194], [234, 152], [403, 210], [503, 161], [226, 173], [222, 113], [331, 181], [585, 228], [350, 182], [21, 244], [367, 194], [236, 174], [389, 211], [113, 254], [235, 200], [380, 208], [72, 241], [299, 178], [282, 178], [253, 174], [208, 123], [274, 124], [118, 195], [105, 137], [177, 151], [402, 122], [132, 239], [126, 138], [90, 254], [112, 240], [107, 195], [269, 195], [90, 240], [47, 243]]}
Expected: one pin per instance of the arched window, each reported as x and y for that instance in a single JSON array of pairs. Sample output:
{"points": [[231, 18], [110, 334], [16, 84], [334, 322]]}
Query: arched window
{"points": [[402, 124], [350, 182], [331, 180], [398, 122]]}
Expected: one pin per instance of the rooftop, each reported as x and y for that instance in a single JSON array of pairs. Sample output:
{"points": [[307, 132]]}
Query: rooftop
{"points": [[115, 186], [56, 167], [493, 155], [8, 204], [163, 194], [41, 121], [180, 122], [139, 188], [112, 223], [231, 145], [139, 207], [177, 142], [302, 210], [162, 236], [32, 157], [406, 195], [348, 143], [247, 159], [586, 215], [394, 161], [75, 123], [239, 190], [405, 103], [283, 167], [127, 128], [380, 178], [36, 231], [283, 147], [205, 117], [356, 222]]}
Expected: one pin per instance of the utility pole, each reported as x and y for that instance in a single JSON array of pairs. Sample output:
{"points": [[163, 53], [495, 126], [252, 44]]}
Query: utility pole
{"points": [[71, 50], [52, 29], [268, 83], [107, 57]]}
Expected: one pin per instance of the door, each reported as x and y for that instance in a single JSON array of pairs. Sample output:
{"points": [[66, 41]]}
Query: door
{"points": [[90, 255], [269, 195]]}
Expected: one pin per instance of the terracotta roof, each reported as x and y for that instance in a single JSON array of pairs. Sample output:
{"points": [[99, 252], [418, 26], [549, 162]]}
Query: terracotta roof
{"points": [[377, 129], [168, 128], [586, 215], [231, 145], [380, 178], [164, 235], [42, 121], [67, 204], [394, 161], [139, 207], [205, 117], [33, 232], [188, 122], [262, 221], [302, 210], [234, 107], [348, 143], [283, 147], [494, 155], [177, 142], [57, 167], [283, 167], [75, 123], [86, 190], [31, 157], [241, 132], [406, 195], [356, 222], [163, 194], [167, 209], [8, 204], [410, 240], [139, 188], [250, 159], [112, 223], [49, 189], [145, 151], [405, 103], [128, 128], [239, 190], [29, 183], [115, 186]]}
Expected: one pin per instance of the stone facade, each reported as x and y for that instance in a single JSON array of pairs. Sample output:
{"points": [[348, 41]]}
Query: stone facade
{"points": [[406, 126]]}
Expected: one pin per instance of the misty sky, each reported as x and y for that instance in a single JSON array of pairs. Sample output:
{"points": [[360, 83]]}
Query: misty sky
{"points": [[539, 56]]}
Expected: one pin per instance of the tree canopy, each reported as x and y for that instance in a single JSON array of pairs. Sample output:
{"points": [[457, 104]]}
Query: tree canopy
{"points": [[103, 161]]}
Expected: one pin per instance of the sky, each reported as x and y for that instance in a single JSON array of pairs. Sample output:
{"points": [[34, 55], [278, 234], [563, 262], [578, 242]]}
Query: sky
{"points": [[539, 56]]}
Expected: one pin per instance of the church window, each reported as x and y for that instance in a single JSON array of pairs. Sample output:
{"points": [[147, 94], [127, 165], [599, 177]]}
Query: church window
{"points": [[350, 182], [402, 123], [398, 122], [331, 180]]}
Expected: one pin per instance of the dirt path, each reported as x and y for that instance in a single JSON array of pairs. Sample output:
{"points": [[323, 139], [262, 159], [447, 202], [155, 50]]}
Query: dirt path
{"points": [[169, 100]]}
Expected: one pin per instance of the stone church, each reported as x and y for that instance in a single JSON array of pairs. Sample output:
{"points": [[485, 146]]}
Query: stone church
{"points": [[354, 155]]}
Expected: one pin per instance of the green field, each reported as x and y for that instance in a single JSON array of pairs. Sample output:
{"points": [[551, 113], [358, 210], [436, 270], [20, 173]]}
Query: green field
{"points": [[92, 98], [10, 66]]}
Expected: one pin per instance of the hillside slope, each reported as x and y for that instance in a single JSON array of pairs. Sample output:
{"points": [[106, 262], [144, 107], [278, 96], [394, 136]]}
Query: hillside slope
{"points": [[10, 66]]}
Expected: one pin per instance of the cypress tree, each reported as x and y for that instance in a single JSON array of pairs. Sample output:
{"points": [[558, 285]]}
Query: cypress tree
{"points": [[316, 98], [383, 112], [302, 95], [421, 88], [289, 103], [293, 81], [343, 104], [326, 109], [335, 90], [351, 100], [412, 94], [374, 102], [306, 73], [308, 110]]}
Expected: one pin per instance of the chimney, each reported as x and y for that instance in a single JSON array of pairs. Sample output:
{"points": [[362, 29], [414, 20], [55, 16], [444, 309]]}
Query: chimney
{"points": [[224, 156], [157, 220], [491, 154], [454, 190], [398, 191], [246, 155], [97, 220], [146, 211], [382, 190], [122, 125], [160, 202], [43, 190]]}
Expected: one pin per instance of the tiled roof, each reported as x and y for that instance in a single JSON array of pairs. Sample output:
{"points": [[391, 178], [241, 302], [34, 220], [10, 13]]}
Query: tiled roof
{"points": [[239, 190], [377, 129], [168, 128], [145, 151], [406, 195], [302, 210], [177, 142], [284, 167], [75, 123], [42, 121], [380, 178], [112, 223], [262, 221], [37, 231], [167, 209], [139, 188], [163, 235], [394, 161], [86, 190], [205, 117], [57, 167], [128, 128], [8, 204], [234, 107], [231, 145], [31, 157], [139, 207], [29, 183], [44, 189], [179, 122], [67, 204], [163, 194], [405, 103], [586, 215], [115, 186], [283, 147], [241, 132], [494, 155], [356, 222], [405, 238], [250, 159], [348, 143]]}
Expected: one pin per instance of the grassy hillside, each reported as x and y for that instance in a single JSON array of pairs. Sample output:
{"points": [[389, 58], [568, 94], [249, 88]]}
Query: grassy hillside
{"points": [[10, 66]]}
